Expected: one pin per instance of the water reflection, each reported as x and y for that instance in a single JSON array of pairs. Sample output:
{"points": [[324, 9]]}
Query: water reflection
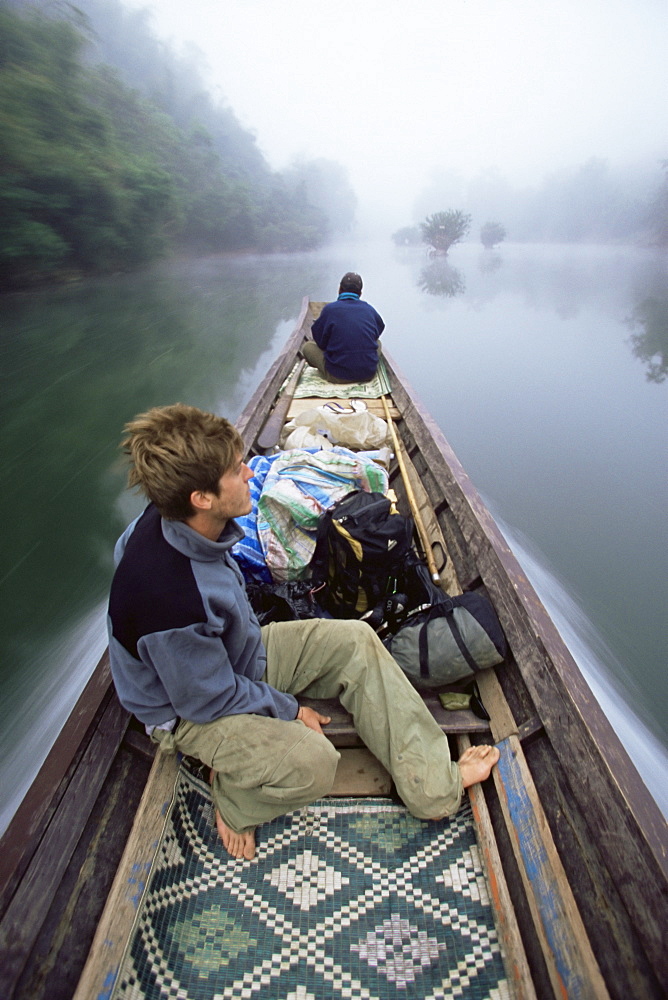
{"points": [[564, 279], [651, 344], [566, 432], [489, 262], [76, 363], [440, 278]]}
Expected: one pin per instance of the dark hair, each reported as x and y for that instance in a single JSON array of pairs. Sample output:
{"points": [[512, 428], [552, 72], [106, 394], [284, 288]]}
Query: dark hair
{"points": [[351, 282], [175, 450]]}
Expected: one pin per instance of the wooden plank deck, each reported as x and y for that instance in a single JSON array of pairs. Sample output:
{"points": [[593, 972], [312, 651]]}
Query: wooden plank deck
{"points": [[515, 958], [25, 914], [115, 926], [342, 733], [358, 774], [569, 958]]}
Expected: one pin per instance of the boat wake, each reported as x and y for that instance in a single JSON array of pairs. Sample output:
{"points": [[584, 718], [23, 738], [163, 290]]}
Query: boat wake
{"points": [[593, 656], [39, 714]]}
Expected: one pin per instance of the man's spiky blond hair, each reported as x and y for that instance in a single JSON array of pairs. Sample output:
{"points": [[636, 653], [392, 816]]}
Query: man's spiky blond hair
{"points": [[175, 450]]}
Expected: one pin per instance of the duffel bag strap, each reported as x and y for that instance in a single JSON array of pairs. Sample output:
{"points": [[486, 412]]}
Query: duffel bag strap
{"points": [[446, 608]]}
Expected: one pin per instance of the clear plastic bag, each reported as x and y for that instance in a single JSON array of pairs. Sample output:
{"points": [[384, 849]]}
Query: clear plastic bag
{"points": [[356, 429]]}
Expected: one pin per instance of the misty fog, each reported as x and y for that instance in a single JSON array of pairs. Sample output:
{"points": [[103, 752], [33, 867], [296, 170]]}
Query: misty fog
{"points": [[236, 127], [523, 91]]}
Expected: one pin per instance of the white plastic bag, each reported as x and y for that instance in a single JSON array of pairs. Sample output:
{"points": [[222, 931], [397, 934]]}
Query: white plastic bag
{"points": [[304, 437], [357, 429]]}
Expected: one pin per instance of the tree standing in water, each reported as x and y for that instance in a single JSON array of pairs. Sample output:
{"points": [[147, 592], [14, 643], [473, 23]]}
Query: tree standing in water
{"points": [[491, 234], [443, 229]]}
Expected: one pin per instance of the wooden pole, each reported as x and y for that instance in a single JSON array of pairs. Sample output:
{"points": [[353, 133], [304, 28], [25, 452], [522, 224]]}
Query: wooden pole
{"points": [[412, 502], [271, 432]]}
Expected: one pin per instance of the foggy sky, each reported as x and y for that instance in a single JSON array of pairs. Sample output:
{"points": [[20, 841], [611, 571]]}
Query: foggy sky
{"points": [[395, 88]]}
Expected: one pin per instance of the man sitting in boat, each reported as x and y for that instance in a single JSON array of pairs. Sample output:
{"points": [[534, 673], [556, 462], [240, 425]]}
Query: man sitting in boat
{"points": [[190, 660], [345, 344]]}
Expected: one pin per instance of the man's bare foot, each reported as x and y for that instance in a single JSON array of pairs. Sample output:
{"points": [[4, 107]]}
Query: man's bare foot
{"points": [[476, 764], [239, 845]]}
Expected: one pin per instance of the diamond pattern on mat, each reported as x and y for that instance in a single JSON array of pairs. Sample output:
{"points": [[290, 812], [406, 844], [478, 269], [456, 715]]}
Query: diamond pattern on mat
{"points": [[397, 948], [305, 878], [349, 898]]}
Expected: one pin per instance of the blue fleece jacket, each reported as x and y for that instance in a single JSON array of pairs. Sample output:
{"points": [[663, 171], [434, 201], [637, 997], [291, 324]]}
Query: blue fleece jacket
{"points": [[347, 331], [183, 638]]}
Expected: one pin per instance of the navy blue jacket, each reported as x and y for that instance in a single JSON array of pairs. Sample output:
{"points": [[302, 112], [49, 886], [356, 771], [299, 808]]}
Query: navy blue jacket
{"points": [[347, 331]]}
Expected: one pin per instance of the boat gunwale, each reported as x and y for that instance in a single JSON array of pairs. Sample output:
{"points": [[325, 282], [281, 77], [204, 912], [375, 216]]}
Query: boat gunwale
{"points": [[549, 645], [26, 827], [253, 416]]}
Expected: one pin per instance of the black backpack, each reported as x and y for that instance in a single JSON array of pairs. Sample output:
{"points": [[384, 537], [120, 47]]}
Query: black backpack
{"points": [[361, 546]]}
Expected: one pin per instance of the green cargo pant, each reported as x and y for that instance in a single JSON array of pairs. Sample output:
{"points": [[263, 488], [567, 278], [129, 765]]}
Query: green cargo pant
{"points": [[267, 767]]}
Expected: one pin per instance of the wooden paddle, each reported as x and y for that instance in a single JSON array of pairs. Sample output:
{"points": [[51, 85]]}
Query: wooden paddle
{"points": [[415, 510], [271, 431]]}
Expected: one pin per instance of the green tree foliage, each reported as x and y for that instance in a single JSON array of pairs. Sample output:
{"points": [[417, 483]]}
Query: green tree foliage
{"points": [[651, 343], [229, 197], [594, 202], [121, 36], [286, 220], [106, 168], [491, 234], [443, 229], [71, 197]]}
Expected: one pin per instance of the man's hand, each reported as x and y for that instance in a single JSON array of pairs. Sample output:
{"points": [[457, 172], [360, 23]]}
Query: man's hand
{"points": [[314, 720]]}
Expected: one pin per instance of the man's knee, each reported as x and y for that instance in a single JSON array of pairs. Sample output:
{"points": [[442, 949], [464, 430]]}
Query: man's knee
{"points": [[312, 767], [360, 641], [350, 630], [313, 354]]}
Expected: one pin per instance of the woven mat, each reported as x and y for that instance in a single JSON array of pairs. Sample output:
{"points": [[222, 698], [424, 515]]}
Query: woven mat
{"points": [[311, 384], [346, 898]]}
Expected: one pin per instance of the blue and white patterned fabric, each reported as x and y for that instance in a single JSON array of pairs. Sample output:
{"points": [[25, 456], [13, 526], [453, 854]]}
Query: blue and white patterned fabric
{"points": [[249, 552], [290, 491]]}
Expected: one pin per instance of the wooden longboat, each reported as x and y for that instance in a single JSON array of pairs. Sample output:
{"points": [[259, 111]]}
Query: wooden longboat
{"points": [[574, 845]]}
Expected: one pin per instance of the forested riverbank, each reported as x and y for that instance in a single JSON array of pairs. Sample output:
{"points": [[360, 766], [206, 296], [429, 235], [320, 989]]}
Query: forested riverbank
{"points": [[114, 154]]}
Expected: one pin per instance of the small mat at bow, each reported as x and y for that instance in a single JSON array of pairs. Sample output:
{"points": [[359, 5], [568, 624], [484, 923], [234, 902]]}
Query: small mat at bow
{"points": [[312, 384]]}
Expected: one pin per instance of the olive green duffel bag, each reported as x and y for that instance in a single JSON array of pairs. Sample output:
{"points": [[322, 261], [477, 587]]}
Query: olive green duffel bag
{"points": [[449, 641]]}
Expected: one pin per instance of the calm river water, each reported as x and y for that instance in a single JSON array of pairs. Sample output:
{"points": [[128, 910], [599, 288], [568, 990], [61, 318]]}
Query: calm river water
{"points": [[523, 355]]}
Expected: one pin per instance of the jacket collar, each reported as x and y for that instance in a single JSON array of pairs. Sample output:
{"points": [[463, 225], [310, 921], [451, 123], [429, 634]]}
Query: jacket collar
{"points": [[190, 543]]}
